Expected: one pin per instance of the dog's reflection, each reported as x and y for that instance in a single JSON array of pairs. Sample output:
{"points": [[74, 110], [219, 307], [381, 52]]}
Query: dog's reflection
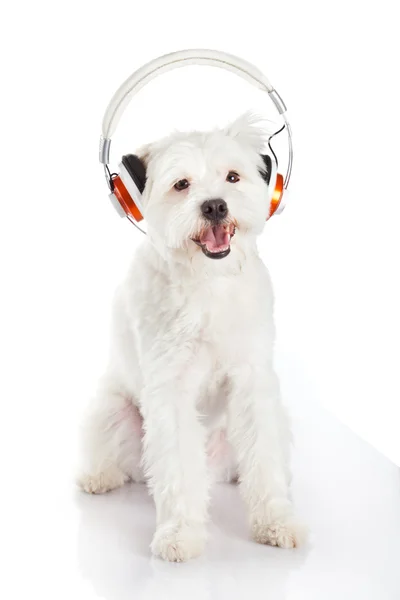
{"points": [[114, 537]]}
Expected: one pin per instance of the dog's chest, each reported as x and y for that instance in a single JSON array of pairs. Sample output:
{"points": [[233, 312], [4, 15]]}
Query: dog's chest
{"points": [[228, 313]]}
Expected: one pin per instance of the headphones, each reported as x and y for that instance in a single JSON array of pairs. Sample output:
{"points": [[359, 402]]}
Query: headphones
{"points": [[126, 187]]}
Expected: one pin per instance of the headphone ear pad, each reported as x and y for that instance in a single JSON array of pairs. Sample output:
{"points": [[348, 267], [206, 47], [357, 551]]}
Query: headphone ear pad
{"points": [[267, 171], [136, 169]]}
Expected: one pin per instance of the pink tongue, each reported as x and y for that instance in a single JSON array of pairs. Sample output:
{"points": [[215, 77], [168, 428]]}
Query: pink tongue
{"points": [[215, 237]]}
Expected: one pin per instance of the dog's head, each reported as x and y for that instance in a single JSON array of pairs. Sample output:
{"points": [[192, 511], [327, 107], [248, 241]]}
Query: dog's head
{"points": [[205, 195]]}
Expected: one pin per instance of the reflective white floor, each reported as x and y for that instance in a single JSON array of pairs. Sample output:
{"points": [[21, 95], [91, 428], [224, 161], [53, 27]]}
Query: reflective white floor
{"points": [[346, 492], [64, 544]]}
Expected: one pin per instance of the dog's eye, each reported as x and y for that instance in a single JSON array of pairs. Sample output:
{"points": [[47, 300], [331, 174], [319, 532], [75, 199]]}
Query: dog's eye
{"points": [[232, 177], [182, 184]]}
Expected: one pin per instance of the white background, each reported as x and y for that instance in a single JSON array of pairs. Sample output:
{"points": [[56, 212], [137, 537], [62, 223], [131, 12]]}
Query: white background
{"points": [[333, 255]]}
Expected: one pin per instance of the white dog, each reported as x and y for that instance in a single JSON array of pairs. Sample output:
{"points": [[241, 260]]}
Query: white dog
{"points": [[190, 394]]}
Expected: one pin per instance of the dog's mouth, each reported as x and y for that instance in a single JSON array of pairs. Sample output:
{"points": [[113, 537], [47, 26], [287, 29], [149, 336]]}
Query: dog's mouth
{"points": [[215, 240]]}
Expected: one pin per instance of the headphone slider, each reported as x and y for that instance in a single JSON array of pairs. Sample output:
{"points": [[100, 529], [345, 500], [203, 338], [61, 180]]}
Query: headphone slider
{"points": [[104, 150], [277, 100]]}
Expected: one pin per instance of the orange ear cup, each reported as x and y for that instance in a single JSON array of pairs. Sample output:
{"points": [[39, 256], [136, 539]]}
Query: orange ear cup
{"points": [[277, 195], [125, 200]]}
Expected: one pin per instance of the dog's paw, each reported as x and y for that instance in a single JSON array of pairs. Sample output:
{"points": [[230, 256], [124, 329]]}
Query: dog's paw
{"points": [[285, 533], [107, 480], [178, 543]]}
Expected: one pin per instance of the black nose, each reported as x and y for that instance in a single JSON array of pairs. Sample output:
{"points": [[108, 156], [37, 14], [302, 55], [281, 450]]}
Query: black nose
{"points": [[214, 210]]}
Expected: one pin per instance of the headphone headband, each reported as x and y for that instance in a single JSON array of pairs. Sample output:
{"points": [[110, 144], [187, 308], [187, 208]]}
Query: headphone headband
{"points": [[158, 66], [141, 77]]}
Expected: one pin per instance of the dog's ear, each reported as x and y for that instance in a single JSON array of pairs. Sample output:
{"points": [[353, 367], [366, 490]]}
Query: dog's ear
{"points": [[248, 131], [144, 153], [142, 158], [138, 165], [266, 172]]}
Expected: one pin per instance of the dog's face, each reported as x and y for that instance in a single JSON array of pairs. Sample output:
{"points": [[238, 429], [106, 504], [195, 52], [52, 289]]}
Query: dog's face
{"points": [[204, 192]]}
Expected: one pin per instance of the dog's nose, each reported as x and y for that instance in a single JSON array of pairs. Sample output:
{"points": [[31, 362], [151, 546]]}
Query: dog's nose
{"points": [[214, 210]]}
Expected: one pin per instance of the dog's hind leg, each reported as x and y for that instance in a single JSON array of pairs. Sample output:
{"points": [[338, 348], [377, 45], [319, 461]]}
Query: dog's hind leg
{"points": [[221, 457], [112, 441]]}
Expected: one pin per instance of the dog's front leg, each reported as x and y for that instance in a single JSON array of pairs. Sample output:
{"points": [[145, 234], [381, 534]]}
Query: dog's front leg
{"points": [[175, 458], [258, 429]]}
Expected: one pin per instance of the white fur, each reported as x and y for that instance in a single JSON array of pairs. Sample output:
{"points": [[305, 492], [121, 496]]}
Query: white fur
{"points": [[192, 354]]}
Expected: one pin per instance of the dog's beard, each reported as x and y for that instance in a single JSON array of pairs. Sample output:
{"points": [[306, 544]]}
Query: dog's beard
{"points": [[215, 239]]}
